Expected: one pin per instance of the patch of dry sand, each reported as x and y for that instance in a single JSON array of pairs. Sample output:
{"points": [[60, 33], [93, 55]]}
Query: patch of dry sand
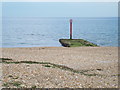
{"points": [[101, 61]]}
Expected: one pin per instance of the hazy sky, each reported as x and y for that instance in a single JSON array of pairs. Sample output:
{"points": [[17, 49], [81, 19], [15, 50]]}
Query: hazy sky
{"points": [[60, 0], [60, 9]]}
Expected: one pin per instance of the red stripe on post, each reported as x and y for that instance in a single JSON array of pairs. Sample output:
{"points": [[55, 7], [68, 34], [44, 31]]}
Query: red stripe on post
{"points": [[70, 28]]}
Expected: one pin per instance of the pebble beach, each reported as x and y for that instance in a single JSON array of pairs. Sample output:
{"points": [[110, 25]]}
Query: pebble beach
{"points": [[60, 67]]}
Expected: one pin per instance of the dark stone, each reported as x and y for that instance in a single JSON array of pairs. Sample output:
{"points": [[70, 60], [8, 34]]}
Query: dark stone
{"points": [[75, 43]]}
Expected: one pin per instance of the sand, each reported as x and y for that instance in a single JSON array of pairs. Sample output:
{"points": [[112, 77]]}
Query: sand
{"points": [[77, 67]]}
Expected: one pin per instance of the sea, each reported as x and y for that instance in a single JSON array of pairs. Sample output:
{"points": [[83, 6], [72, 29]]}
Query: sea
{"points": [[46, 31]]}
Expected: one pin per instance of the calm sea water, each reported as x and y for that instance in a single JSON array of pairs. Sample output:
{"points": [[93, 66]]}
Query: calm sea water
{"points": [[39, 32]]}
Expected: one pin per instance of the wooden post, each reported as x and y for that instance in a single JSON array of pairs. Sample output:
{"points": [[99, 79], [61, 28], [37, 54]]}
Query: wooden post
{"points": [[70, 28]]}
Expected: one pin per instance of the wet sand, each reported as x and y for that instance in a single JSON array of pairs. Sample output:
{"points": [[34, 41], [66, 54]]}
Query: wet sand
{"points": [[60, 67]]}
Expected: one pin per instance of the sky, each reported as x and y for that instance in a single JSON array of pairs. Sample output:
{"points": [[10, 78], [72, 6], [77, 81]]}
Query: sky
{"points": [[60, 0], [59, 9]]}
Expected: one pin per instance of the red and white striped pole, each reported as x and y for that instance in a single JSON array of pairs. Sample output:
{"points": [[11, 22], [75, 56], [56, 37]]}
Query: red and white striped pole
{"points": [[70, 28]]}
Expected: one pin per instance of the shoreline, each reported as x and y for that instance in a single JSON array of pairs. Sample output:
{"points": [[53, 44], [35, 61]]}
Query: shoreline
{"points": [[56, 47]]}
